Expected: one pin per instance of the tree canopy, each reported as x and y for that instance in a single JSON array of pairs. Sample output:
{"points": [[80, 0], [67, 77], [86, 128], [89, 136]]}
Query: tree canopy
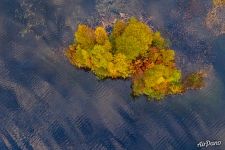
{"points": [[132, 50]]}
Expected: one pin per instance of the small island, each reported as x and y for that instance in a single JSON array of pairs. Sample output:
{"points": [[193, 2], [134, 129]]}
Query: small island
{"points": [[132, 50]]}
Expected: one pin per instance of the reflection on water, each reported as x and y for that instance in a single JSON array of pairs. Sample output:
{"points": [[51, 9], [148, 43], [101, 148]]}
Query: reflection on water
{"points": [[45, 103]]}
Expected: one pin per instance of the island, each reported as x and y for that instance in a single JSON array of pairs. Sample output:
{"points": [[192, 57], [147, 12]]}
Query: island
{"points": [[131, 50]]}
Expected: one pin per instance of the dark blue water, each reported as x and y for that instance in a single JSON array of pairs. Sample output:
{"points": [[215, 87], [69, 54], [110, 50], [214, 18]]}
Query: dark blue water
{"points": [[46, 103]]}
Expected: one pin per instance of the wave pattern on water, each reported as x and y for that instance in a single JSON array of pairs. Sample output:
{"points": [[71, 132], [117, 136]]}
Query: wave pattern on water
{"points": [[46, 103]]}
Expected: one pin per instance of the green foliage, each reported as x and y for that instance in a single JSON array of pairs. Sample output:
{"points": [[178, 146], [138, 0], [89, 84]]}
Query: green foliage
{"points": [[133, 51], [135, 39], [129, 46]]}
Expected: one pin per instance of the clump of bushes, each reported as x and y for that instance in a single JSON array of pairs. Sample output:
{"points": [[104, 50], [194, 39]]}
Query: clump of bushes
{"points": [[132, 50]]}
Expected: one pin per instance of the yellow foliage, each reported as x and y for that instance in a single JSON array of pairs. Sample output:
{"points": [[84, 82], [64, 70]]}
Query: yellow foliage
{"points": [[176, 88], [133, 50], [107, 45], [85, 37], [122, 65], [118, 28], [82, 58], [101, 35], [158, 41], [119, 67]]}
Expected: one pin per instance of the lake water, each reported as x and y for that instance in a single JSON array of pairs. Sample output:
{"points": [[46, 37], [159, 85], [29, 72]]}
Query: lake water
{"points": [[46, 103]]}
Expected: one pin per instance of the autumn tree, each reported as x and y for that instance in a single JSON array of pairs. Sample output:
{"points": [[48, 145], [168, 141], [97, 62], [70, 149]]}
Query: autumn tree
{"points": [[131, 50]]}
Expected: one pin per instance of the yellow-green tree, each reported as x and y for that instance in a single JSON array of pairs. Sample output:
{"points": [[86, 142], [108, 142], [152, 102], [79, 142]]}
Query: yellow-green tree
{"points": [[135, 39]]}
